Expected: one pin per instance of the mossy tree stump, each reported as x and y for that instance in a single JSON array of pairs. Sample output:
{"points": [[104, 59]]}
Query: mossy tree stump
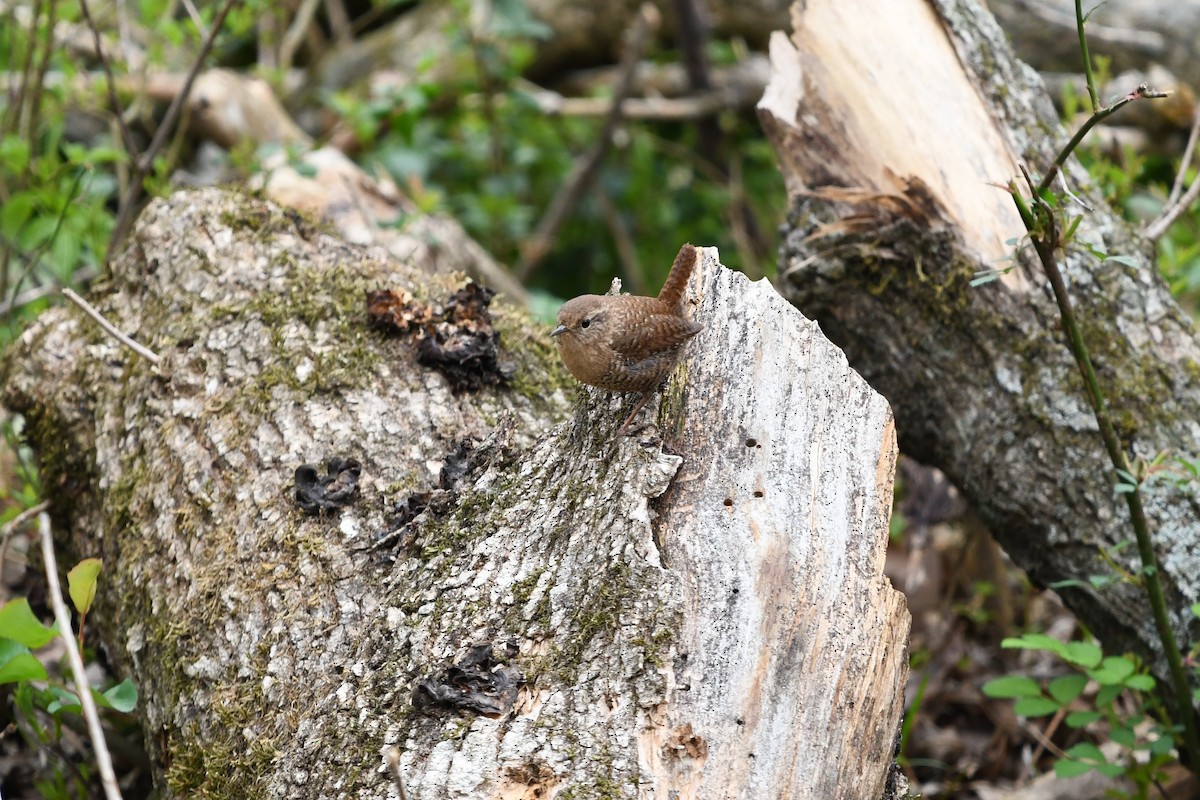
{"points": [[517, 601]]}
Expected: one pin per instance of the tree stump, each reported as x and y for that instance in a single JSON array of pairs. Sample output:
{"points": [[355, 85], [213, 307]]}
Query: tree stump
{"points": [[514, 603], [893, 138]]}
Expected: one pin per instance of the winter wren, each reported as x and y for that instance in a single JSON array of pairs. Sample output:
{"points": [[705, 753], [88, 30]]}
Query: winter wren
{"points": [[625, 343]]}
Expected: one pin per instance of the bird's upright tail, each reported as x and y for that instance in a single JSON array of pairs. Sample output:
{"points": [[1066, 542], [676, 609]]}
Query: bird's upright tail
{"points": [[681, 271]]}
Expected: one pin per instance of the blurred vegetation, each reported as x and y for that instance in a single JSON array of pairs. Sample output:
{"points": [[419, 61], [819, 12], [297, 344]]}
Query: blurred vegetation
{"points": [[56, 187], [1139, 186], [479, 149]]}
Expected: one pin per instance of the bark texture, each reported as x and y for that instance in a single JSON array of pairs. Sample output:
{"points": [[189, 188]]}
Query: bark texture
{"points": [[543, 616], [1133, 34], [890, 136]]}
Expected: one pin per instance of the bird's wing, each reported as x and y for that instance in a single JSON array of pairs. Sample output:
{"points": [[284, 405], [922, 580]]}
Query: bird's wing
{"points": [[656, 334]]}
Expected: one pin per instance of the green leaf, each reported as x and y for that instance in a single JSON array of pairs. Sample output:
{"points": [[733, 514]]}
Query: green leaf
{"points": [[1072, 225], [1196, 609], [123, 696], [1126, 476], [1163, 745], [1034, 707], [63, 701], [1035, 641], [1085, 654], [1122, 735], [1107, 694], [22, 667], [15, 213], [1088, 752], [14, 154], [1078, 719], [1113, 670], [1070, 583], [1128, 261], [9, 649], [1066, 688], [17, 622], [1142, 683], [1068, 768], [1011, 686], [81, 583]]}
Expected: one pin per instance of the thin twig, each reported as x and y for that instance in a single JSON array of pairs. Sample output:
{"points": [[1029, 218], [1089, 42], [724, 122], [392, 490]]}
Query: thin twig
{"points": [[142, 164], [339, 21], [176, 108], [1142, 92], [111, 329], [1062, 180], [194, 13], [16, 90], [108, 778], [36, 257], [1156, 229], [692, 37], [1178, 203], [584, 170], [296, 32], [48, 51], [1188, 151], [742, 222], [670, 109], [110, 82], [13, 524], [393, 764], [1044, 738], [1046, 242], [37, 293], [1087, 58]]}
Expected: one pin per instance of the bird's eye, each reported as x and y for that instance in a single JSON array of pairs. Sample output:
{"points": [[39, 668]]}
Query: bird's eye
{"points": [[585, 323]]}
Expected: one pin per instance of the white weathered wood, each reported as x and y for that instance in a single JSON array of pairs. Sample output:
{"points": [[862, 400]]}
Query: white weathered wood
{"points": [[777, 525], [836, 88]]}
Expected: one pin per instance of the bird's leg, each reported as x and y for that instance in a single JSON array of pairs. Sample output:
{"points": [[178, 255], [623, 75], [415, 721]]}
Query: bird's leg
{"points": [[640, 405]]}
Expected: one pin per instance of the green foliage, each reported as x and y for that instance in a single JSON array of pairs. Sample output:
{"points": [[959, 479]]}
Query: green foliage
{"points": [[472, 142], [18, 623], [36, 696], [81, 584], [1139, 185], [1133, 724], [55, 187]]}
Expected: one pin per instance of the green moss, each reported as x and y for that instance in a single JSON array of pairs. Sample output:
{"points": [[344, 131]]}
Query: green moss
{"points": [[523, 589], [601, 781], [1137, 391], [655, 646], [535, 354], [597, 613], [222, 769]]}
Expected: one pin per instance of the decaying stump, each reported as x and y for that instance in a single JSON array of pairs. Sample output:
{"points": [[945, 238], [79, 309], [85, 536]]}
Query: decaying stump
{"points": [[891, 138], [506, 608]]}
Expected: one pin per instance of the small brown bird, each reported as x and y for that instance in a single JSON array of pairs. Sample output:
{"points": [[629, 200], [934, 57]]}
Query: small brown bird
{"points": [[626, 343]]}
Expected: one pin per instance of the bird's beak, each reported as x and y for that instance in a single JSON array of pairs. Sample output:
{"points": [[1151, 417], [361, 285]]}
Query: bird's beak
{"points": [[561, 329]]}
